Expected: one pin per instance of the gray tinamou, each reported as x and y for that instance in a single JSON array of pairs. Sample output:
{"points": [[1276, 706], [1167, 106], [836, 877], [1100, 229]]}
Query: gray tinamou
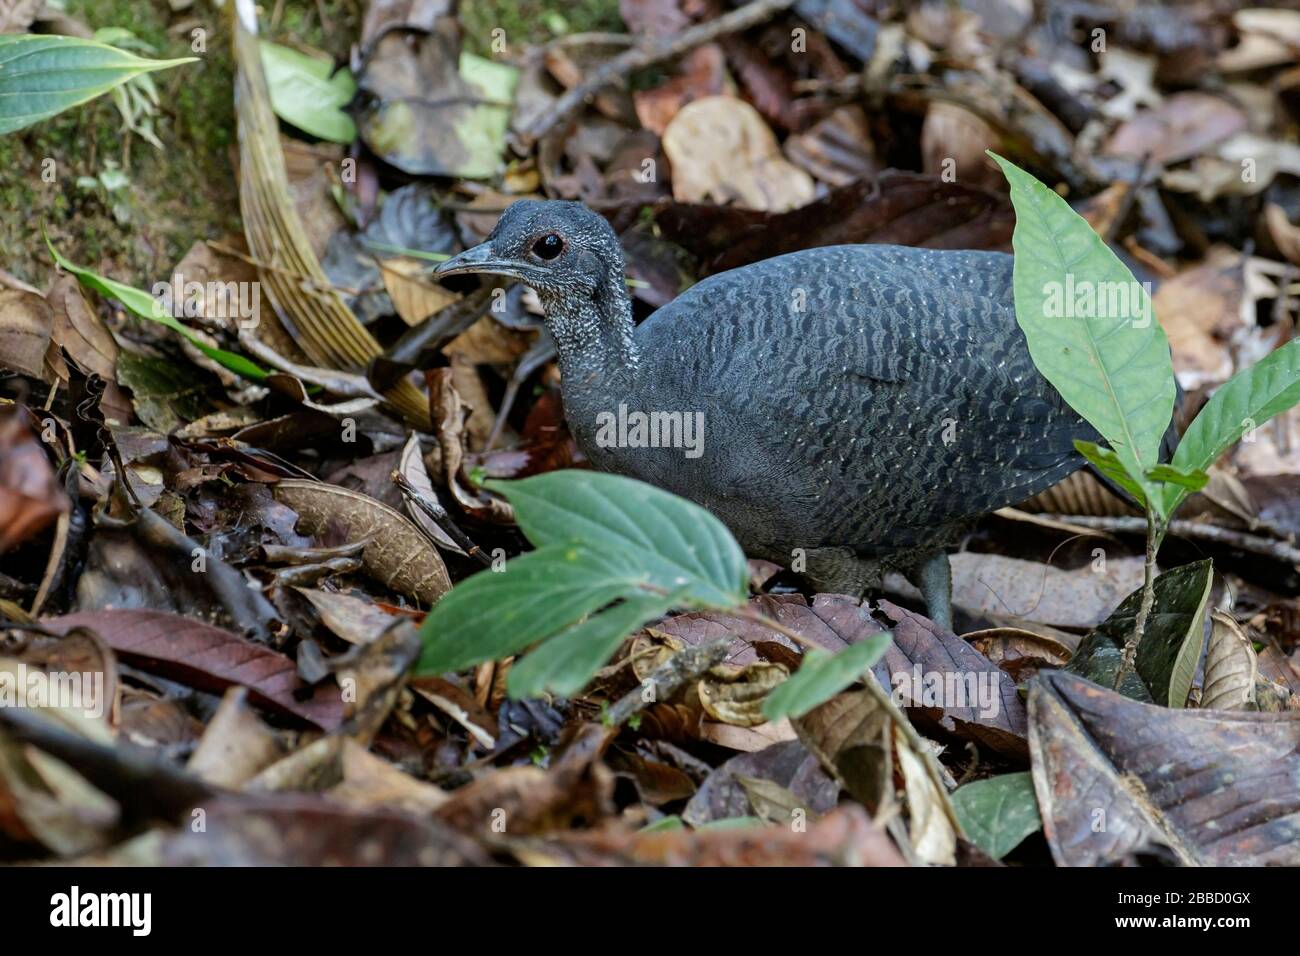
{"points": [[861, 405]]}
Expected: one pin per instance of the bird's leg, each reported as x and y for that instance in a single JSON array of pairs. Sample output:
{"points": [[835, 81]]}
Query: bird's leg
{"points": [[933, 575]]}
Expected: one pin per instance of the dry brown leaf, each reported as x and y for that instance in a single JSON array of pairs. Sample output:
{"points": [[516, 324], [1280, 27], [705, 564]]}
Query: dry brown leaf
{"points": [[930, 826], [1231, 667], [356, 620], [26, 321], [735, 695], [747, 739], [411, 465], [414, 297], [1183, 126], [397, 555], [236, 746], [722, 151]]}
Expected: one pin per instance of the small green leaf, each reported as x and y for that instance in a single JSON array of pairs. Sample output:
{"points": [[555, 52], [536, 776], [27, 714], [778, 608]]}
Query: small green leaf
{"points": [[142, 304], [493, 614], [1089, 324], [309, 93], [1108, 463], [998, 813], [41, 76], [823, 675], [679, 544], [1192, 480], [1245, 401], [1171, 643], [564, 664], [663, 824]]}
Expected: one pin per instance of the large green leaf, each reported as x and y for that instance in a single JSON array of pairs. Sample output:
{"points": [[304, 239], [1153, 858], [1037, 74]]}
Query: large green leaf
{"points": [[1171, 643], [679, 544], [998, 813], [142, 304], [1089, 325], [565, 663], [309, 93], [493, 614], [41, 76], [1245, 401], [822, 675]]}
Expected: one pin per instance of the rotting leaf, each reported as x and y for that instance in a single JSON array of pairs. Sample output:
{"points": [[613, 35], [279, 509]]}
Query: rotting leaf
{"points": [[397, 555], [1115, 777]]}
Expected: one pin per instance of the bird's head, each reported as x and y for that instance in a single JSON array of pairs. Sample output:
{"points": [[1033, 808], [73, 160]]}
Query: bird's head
{"points": [[566, 252]]}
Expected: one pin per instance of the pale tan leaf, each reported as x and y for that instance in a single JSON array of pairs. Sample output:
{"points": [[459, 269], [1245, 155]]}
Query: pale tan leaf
{"points": [[1231, 667], [735, 695]]}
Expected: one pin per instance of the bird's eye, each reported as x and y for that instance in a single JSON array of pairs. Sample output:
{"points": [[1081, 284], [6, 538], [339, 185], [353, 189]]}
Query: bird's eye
{"points": [[548, 247]]}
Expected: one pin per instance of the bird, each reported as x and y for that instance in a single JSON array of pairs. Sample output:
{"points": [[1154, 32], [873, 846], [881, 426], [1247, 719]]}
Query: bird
{"points": [[845, 411]]}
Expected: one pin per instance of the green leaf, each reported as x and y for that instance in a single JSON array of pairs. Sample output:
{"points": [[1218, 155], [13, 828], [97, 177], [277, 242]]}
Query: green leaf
{"points": [[998, 813], [668, 823], [309, 93], [1245, 401], [493, 614], [1108, 463], [823, 675], [1171, 644], [142, 304], [1089, 324], [564, 664], [681, 546], [1193, 480], [41, 76]]}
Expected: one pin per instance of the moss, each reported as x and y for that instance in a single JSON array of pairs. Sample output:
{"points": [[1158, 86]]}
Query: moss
{"points": [[534, 21], [178, 195]]}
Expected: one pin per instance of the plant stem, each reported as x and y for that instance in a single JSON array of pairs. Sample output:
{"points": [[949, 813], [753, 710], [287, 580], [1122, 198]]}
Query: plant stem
{"points": [[1155, 535]]}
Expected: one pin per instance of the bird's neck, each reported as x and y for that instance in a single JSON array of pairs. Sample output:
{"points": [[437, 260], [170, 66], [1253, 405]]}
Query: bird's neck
{"points": [[598, 355]]}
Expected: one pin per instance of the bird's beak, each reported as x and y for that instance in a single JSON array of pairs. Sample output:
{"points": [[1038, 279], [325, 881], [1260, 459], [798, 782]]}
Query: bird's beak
{"points": [[479, 258]]}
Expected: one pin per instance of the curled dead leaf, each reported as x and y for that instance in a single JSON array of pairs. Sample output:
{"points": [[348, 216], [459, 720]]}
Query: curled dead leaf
{"points": [[1231, 667], [397, 555], [735, 695]]}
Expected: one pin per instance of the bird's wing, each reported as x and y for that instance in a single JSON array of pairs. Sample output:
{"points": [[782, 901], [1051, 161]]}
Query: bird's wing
{"points": [[894, 381]]}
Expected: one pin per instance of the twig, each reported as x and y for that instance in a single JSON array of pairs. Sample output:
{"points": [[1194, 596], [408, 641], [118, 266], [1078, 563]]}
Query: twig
{"points": [[682, 668], [436, 513], [653, 50], [1241, 540], [1155, 534], [346, 384]]}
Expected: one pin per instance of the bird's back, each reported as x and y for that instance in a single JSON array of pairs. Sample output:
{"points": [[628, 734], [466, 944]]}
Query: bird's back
{"points": [[872, 397]]}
